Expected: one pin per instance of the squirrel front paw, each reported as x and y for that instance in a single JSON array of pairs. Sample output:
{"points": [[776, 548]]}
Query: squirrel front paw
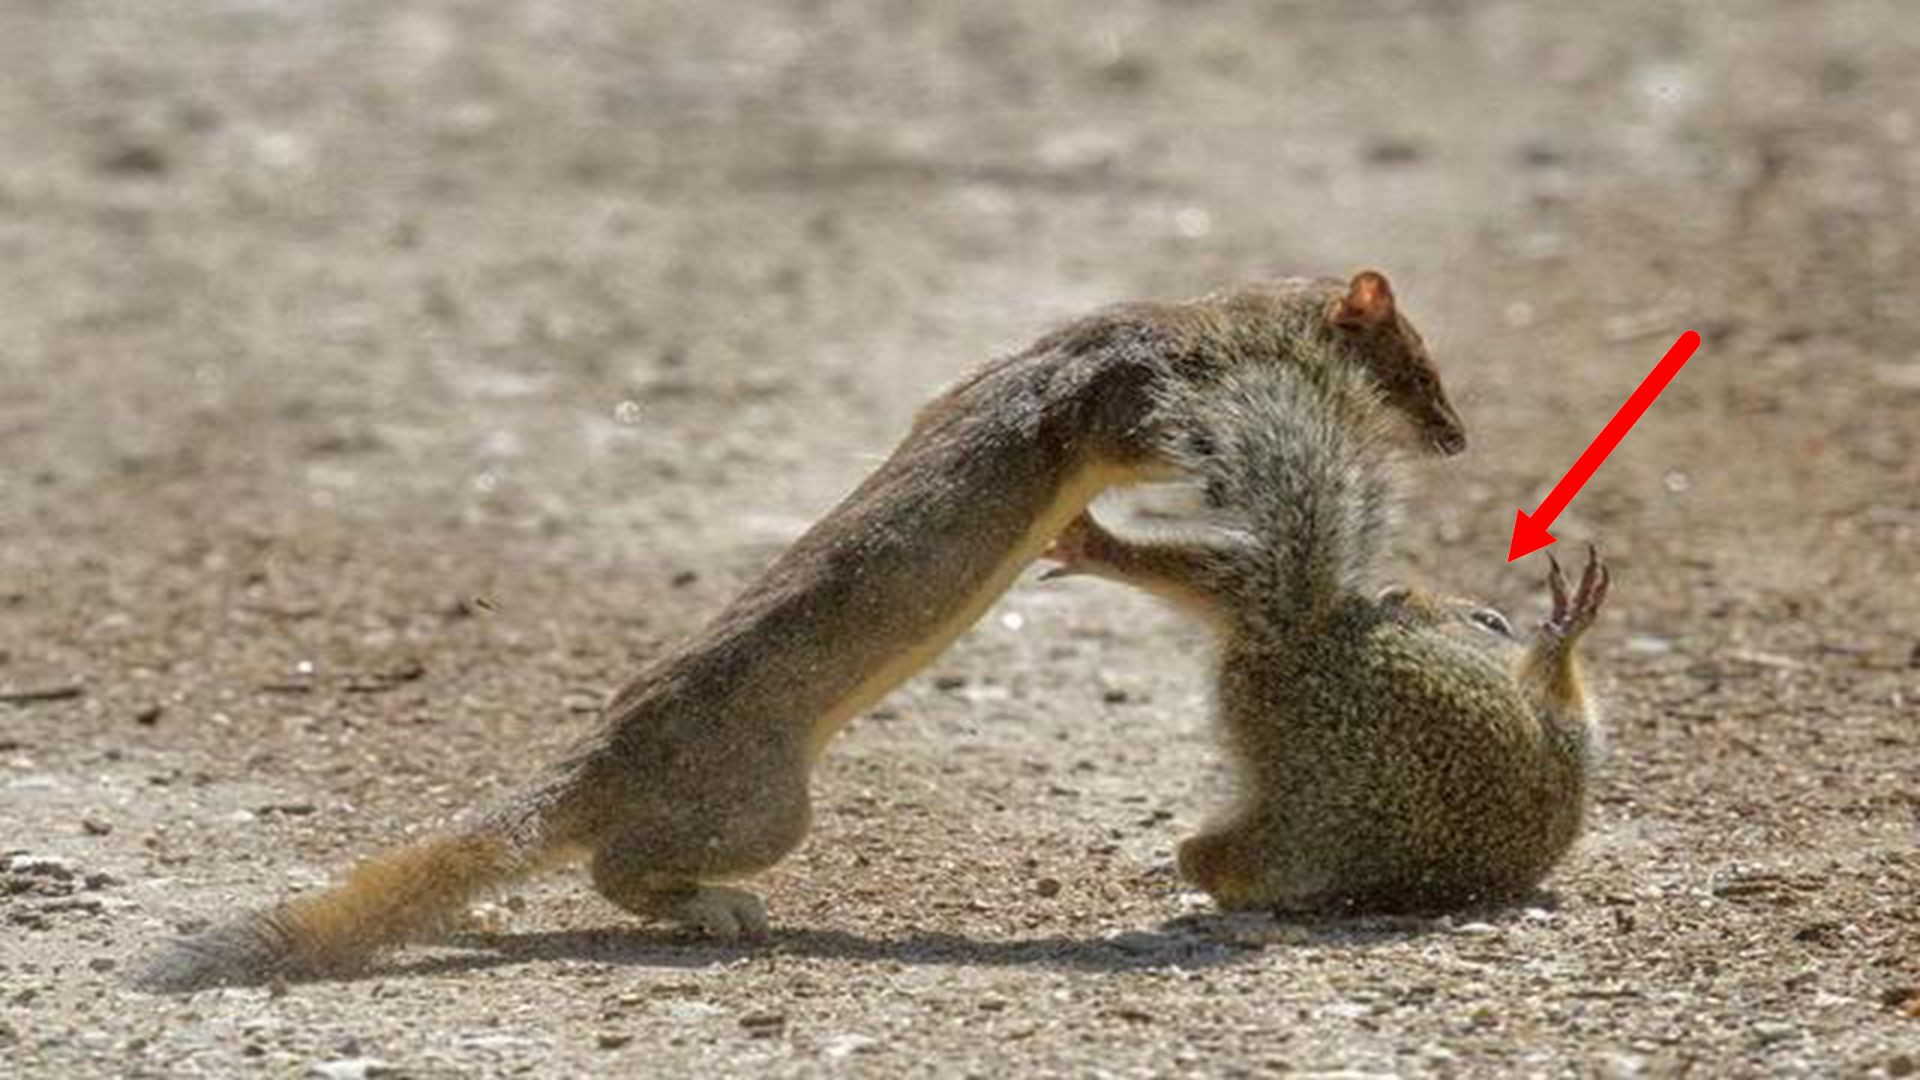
{"points": [[1574, 610], [1080, 548]]}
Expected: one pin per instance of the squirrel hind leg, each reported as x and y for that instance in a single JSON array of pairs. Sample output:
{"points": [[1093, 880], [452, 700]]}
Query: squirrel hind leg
{"points": [[718, 911], [662, 873], [1213, 861], [1244, 870], [1251, 866]]}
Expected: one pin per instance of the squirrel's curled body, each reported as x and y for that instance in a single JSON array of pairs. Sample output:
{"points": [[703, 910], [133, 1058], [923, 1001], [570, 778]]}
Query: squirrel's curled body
{"points": [[1394, 750], [1392, 763]]}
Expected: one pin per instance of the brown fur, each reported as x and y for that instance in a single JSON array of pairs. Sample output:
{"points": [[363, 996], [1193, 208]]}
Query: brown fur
{"points": [[396, 895]]}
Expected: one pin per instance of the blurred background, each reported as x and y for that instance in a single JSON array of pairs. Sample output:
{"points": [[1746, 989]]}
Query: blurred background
{"points": [[381, 382]]}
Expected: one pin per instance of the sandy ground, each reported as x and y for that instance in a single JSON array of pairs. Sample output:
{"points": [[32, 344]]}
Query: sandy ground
{"points": [[382, 382]]}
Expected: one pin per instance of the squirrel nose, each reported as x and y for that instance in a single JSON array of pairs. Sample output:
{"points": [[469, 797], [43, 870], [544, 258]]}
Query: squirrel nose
{"points": [[1450, 440]]}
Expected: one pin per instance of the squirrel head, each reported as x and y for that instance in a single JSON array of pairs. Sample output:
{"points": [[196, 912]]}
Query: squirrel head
{"points": [[1367, 317], [1463, 618]]}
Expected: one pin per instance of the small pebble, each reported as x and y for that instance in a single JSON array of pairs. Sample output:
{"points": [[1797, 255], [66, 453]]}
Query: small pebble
{"points": [[1540, 151], [1774, 1031], [1137, 942], [612, 1040], [1649, 645], [134, 159], [1047, 887], [43, 866], [851, 1043], [764, 1025], [1393, 151], [359, 1068]]}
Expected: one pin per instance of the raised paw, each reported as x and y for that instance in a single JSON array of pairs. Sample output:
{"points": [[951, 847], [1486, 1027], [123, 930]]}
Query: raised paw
{"points": [[1574, 610], [1078, 549], [724, 914]]}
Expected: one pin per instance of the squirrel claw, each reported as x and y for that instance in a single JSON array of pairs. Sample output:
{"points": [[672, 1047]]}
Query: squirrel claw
{"points": [[1074, 548], [1574, 609]]}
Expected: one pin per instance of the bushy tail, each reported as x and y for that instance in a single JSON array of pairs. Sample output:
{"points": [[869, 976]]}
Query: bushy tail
{"points": [[1305, 461], [406, 892]]}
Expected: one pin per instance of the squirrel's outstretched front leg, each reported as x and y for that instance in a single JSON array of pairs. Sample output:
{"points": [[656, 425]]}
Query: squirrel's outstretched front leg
{"points": [[1186, 573], [1552, 666]]}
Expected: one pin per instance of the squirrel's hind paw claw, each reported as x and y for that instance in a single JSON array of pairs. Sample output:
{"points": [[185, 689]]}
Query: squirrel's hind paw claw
{"points": [[1557, 584], [1593, 585], [1574, 610]]}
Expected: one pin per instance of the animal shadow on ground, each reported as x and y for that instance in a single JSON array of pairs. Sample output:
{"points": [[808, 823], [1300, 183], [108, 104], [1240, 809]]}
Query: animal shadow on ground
{"points": [[1190, 941]]}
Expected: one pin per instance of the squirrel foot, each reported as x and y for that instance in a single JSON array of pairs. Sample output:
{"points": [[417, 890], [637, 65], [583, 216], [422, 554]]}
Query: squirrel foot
{"points": [[722, 913], [718, 911], [1574, 610]]}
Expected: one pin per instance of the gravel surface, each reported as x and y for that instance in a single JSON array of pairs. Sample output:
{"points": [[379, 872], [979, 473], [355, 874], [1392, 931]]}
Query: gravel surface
{"points": [[382, 382]]}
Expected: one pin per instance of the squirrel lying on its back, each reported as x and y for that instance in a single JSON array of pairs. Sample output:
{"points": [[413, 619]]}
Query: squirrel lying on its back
{"points": [[1397, 750]]}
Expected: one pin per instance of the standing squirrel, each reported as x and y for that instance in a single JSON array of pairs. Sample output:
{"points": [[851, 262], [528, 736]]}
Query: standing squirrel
{"points": [[698, 772], [1395, 750]]}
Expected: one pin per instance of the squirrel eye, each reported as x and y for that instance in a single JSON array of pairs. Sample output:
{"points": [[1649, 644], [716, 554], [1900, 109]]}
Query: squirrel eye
{"points": [[1492, 620]]}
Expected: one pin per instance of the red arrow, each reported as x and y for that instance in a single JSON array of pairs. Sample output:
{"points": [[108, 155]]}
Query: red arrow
{"points": [[1530, 530]]}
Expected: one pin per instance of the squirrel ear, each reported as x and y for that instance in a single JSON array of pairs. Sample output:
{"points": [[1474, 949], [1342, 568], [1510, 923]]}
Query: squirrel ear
{"points": [[1368, 303]]}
